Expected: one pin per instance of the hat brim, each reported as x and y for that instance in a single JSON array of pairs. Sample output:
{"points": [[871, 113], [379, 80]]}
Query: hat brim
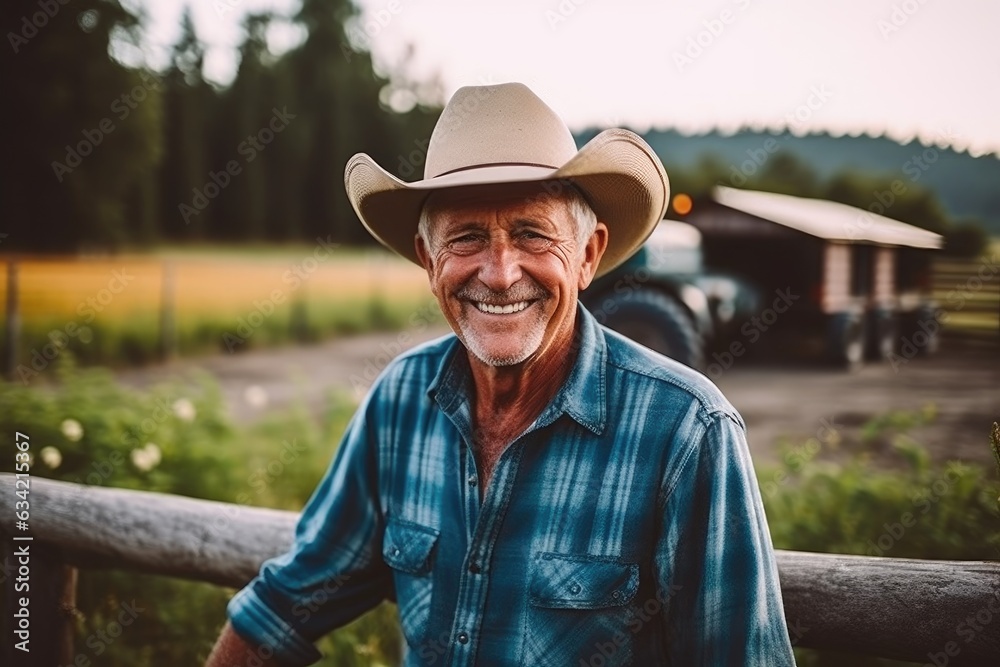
{"points": [[618, 173]]}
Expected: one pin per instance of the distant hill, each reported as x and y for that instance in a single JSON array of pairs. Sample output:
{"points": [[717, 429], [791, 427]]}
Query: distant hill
{"points": [[967, 186]]}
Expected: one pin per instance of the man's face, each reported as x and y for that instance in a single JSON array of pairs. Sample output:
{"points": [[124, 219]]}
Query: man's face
{"points": [[506, 265]]}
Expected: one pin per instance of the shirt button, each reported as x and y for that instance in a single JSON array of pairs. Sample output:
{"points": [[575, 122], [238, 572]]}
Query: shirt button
{"points": [[475, 569], [463, 638], [395, 551], [575, 588], [472, 480]]}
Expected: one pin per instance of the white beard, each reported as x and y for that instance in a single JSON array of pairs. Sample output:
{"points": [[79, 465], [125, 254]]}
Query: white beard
{"points": [[528, 345]]}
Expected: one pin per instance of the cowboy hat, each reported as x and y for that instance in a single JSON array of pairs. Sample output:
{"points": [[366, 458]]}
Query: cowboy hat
{"points": [[506, 134]]}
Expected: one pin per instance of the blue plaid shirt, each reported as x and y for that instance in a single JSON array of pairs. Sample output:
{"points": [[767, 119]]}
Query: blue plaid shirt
{"points": [[623, 527]]}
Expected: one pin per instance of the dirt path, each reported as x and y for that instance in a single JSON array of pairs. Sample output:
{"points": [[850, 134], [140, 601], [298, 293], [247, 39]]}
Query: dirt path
{"points": [[287, 375], [963, 385]]}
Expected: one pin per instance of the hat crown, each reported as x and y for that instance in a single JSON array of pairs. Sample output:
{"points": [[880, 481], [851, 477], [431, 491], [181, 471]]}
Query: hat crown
{"points": [[495, 125]]}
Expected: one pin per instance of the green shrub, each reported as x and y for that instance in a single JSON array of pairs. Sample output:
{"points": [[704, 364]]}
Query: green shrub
{"points": [[913, 509], [175, 439]]}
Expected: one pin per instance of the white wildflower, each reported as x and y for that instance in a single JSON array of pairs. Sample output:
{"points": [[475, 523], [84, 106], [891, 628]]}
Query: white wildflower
{"points": [[51, 456], [154, 453], [140, 460], [184, 409], [256, 396], [72, 429], [146, 458]]}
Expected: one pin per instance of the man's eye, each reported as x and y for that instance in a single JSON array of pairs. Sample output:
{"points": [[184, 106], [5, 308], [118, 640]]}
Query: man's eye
{"points": [[466, 244], [533, 241]]}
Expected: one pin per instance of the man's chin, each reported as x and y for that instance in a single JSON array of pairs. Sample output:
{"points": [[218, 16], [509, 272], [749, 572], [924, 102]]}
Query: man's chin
{"points": [[501, 343], [498, 354], [499, 357]]}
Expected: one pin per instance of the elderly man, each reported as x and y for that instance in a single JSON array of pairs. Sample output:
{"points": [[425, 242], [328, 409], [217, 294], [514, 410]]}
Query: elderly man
{"points": [[535, 489]]}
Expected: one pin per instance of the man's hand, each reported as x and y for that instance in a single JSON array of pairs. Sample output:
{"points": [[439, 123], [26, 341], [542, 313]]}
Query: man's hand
{"points": [[231, 650]]}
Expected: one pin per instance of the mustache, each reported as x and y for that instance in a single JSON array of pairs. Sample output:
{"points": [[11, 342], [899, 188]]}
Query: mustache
{"points": [[525, 290]]}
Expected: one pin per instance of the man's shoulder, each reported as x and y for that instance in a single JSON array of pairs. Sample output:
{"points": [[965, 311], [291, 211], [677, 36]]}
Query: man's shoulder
{"points": [[643, 366]]}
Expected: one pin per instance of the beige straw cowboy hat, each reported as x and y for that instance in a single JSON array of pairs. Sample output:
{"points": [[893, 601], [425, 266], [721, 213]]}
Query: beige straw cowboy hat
{"points": [[506, 134]]}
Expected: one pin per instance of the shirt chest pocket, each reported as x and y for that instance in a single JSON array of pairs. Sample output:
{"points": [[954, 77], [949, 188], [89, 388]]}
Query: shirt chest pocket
{"points": [[579, 608], [408, 548]]}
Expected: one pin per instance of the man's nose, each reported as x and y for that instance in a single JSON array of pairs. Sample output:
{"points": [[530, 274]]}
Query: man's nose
{"points": [[501, 266]]}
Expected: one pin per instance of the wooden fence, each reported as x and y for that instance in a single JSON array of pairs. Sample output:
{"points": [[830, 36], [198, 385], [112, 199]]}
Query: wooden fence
{"points": [[887, 607], [968, 291]]}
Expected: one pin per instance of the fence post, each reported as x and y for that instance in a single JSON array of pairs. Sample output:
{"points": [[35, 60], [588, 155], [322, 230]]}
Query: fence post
{"points": [[12, 328], [168, 323], [49, 587], [67, 613], [298, 317]]}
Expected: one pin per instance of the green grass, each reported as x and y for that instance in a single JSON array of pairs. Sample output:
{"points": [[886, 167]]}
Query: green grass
{"points": [[817, 501], [204, 455], [137, 339]]}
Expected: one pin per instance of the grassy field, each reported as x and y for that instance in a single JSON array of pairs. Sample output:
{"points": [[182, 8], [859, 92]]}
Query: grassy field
{"points": [[135, 308], [127, 308]]}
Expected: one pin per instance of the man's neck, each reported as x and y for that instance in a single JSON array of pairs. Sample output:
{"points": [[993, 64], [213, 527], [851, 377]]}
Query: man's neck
{"points": [[507, 399], [516, 395]]}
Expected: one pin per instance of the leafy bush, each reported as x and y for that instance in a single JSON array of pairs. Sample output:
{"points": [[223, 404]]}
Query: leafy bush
{"points": [[968, 238], [913, 509], [175, 439]]}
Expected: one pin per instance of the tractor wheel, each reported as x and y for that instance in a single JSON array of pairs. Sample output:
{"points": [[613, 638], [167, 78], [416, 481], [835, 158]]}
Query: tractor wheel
{"points": [[657, 321]]}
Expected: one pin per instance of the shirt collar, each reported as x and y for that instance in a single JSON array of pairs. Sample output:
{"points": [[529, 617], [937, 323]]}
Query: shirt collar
{"points": [[583, 396]]}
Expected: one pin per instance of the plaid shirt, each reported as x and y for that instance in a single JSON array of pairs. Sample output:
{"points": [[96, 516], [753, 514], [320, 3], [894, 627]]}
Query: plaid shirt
{"points": [[623, 527]]}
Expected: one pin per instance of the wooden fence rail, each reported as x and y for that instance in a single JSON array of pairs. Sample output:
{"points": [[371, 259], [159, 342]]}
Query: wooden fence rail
{"points": [[937, 612]]}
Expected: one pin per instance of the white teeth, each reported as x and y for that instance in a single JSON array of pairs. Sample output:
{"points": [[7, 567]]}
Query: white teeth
{"points": [[502, 310]]}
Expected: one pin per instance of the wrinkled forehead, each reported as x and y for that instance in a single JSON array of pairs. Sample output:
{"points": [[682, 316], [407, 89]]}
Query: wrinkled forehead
{"points": [[514, 198]]}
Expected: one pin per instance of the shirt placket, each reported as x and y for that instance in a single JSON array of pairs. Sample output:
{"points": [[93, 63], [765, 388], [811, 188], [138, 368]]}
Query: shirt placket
{"points": [[470, 492], [483, 525]]}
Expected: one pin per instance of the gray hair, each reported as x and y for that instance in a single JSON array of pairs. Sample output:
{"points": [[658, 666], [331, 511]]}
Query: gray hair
{"points": [[579, 210]]}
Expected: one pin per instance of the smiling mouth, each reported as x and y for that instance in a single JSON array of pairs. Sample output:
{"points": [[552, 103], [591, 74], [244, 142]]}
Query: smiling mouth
{"points": [[507, 309]]}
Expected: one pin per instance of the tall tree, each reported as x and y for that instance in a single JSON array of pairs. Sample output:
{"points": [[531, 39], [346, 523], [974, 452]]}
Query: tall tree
{"points": [[187, 103], [84, 133], [338, 107], [248, 112], [285, 161], [891, 197], [784, 173]]}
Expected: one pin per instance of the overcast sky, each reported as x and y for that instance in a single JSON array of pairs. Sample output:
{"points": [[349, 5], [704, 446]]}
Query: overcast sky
{"points": [[928, 68]]}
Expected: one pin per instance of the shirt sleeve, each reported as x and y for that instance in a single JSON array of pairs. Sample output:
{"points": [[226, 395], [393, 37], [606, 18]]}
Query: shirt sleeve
{"points": [[333, 572], [715, 561]]}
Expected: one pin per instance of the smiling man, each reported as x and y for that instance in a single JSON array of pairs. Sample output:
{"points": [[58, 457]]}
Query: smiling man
{"points": [[535, 489]]}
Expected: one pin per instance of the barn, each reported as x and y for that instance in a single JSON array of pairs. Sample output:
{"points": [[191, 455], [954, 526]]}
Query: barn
{"points": [[863, 279]]}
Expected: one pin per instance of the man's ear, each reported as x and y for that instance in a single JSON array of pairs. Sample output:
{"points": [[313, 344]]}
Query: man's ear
{"points": [[592, 254], [424, 255]]}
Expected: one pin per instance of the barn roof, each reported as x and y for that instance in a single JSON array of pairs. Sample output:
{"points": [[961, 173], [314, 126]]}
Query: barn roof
{"points": [[826, 219]]}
